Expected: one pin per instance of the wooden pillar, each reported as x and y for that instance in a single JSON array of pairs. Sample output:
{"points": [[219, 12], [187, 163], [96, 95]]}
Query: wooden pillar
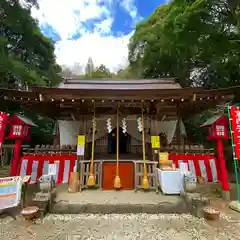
{"points": [[154, 132], [82, 131], [180, 138], [56, 138]]}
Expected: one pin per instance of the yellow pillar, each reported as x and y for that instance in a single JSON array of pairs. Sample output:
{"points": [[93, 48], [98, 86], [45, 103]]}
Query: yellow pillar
{"points": [[91, 178], [145, 183], [117, 180]]}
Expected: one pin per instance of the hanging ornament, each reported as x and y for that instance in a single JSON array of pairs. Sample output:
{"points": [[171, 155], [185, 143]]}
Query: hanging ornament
{"points": [[124, 125], [109, 125], [139, 122], [94, 124]]}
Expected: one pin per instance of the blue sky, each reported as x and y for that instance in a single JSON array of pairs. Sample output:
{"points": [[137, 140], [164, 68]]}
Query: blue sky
{"points": [[97, 28]]}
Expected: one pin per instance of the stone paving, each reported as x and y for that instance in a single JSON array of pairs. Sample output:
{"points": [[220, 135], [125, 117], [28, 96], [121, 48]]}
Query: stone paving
{"points": [[122, 227], [96, 201]]}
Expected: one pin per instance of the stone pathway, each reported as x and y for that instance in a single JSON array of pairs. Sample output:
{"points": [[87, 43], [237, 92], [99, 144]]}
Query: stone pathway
{"points": [[96, 201], [122, 227]]}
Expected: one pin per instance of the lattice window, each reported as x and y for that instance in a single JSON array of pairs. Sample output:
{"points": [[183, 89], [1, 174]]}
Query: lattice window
{"points": [[220, 130], [17, 129]]}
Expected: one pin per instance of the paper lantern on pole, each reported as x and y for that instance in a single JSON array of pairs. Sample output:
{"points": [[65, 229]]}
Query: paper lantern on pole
{"points": [[19, 130], [217, 128], [218, 131]]}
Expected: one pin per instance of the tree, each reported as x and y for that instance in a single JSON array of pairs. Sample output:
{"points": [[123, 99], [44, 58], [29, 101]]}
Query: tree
{"points": [[89, 67], [102, 72], [127, 73], [66, 72], [194, 40], [27, 57]]}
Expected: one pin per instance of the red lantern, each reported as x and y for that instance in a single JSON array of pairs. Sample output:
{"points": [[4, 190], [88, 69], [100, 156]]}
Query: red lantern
{"points": [[19, 130], [218, 131], [20, 127], [217, 128]]}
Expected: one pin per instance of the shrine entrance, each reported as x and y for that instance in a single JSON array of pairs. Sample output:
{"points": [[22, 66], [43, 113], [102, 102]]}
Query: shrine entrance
{"points": [[124, 142]]}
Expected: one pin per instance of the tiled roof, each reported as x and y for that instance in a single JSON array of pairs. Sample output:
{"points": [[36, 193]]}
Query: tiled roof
{"points": [[119, 84]]}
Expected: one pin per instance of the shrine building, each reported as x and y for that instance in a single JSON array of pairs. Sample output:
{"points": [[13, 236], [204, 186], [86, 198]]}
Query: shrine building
{"points": [[120, 117]]}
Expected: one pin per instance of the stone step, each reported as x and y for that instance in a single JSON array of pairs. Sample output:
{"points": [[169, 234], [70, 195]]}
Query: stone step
{"points": [[122, 208]]}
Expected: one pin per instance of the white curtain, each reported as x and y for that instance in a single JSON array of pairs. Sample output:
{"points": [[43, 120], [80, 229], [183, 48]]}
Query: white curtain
{"points": [[69, 130], [167, 127]]}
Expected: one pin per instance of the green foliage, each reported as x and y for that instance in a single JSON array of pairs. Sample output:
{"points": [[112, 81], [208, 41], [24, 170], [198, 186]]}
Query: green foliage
{"points": [[102, 72], [196, 41], [27, 57], [43, 133], [127, 73]]}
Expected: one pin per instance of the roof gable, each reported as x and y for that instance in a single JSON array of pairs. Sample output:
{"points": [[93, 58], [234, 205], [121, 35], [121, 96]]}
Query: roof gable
{"points": [[19, 119], [214, 120]]}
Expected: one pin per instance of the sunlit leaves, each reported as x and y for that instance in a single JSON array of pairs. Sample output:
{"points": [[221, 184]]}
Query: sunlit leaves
{"points": [[189, 36], [27, 57]]}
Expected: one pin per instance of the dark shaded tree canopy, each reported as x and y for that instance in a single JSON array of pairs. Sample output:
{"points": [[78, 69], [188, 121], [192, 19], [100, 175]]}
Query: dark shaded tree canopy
{"points": [[27, 57]]}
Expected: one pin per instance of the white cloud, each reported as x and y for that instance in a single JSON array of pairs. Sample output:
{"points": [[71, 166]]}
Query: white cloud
{"points": [[67, 17], [109, 50], [105, 26], [129, 6]]}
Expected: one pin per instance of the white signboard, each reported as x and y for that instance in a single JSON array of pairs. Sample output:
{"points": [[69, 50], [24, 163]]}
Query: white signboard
{"points": [[10, 192], [80, 150]]}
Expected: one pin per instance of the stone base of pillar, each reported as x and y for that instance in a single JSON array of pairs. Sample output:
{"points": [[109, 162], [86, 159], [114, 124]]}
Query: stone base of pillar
{"points": [[226, 195]]}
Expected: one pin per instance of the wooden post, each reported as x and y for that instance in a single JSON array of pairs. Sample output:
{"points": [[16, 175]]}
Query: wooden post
{"points": [[156, 133], [91, 178], [180, 138], [145, 183], [117, 180]]}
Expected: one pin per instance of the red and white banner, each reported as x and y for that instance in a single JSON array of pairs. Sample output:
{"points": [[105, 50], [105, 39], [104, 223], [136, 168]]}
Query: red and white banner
{"points": [[235, 122], [203, 165], [38, 165], [3, 124], [200, 165]]}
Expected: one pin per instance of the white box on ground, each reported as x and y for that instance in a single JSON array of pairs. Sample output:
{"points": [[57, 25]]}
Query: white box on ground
{"points": [[171, 181]]}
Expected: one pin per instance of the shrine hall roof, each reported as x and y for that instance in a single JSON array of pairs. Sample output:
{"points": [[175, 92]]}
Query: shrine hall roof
{"points": [[211, 120], [74, 98], [119, 84]]}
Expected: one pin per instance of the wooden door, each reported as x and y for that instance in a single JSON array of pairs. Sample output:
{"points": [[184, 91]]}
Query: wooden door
{"points": [[126, 172]]}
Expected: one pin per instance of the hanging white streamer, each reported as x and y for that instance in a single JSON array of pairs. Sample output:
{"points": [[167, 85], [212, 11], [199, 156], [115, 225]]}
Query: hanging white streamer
{"points": [[109, 125], [124, 125], [139, 122]]}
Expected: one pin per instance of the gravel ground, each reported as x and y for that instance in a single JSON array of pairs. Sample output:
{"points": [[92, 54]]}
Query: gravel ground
{"points": [[139, 226]]}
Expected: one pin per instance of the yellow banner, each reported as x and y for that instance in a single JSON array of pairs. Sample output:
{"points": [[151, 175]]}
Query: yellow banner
{"points": [[163, 157], [81, 141], [155, 142]]}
